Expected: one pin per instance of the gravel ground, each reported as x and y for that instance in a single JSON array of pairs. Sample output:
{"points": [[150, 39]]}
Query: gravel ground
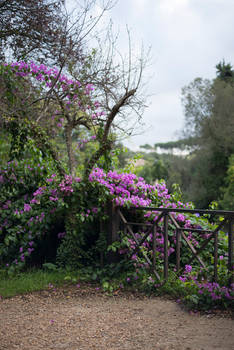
{"points": [[85, 319]]}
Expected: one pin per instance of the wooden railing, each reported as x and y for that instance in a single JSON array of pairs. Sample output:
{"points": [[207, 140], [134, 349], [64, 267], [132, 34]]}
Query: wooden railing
{"points": [[167, 215]]}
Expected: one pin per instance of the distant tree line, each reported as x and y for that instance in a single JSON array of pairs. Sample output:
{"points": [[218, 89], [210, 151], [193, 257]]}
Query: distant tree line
{"points": [[206, 173]]}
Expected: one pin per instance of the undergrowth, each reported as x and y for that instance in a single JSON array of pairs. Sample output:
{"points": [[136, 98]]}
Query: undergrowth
{"points": [[120, 277]]}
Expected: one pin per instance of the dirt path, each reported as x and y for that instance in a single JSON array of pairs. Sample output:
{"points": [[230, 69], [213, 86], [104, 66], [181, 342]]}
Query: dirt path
{"points": [[78, 319]]}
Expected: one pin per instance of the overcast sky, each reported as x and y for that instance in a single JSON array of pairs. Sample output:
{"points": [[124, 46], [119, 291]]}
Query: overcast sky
{"points": [[187, 38]]}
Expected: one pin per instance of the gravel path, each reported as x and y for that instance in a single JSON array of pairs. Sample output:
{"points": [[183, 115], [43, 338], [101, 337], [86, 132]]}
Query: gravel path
{"points": [[87, 319]]}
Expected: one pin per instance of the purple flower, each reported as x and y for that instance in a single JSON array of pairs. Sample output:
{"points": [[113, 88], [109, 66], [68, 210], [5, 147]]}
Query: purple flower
{"points": [[61, 234], [34, 201], [183, 279], [180, 217], [53, 199], [27, 207], [188, 268], [38, 192]]}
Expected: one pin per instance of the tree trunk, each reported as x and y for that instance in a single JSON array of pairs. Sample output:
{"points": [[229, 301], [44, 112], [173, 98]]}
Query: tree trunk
{"points": [[71, 158]]}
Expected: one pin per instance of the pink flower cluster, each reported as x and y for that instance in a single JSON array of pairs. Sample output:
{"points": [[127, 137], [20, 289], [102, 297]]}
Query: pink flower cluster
{"points": [[43, 73], [66, 185], [211, 290], [125, 189], [74, 93]]}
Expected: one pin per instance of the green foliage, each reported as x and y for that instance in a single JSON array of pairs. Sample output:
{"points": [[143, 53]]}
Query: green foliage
{"points": [[154, 170], [30, 281], [4, 148], [130, 167], [225, 72], [49, 267], [227, 201], [83, 242], [22, 227]]}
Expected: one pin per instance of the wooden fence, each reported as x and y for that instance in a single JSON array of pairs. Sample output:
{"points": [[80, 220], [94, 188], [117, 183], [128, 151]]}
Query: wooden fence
{"points": [[166, 215]]}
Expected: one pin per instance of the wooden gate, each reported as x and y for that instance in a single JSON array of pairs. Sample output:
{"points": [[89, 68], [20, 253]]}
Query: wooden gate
{"points": [[166, 216]]}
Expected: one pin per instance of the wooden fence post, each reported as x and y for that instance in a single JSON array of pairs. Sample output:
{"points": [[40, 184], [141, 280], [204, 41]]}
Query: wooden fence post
{"points": [[154, 247], [166, 246], [230, 249], [178, 243], [215, 277]]}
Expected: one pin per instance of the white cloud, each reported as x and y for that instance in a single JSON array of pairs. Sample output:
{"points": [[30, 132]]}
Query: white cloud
{"points": [[171, 7], [163, 120], [188, 38]]}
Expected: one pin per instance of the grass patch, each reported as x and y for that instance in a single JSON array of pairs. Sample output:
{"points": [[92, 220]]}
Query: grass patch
{"points": [[30, 281]]}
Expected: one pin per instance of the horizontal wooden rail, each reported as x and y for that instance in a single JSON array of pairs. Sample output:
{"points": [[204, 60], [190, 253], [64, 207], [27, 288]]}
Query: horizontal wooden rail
{"points": [[192, 211]]}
